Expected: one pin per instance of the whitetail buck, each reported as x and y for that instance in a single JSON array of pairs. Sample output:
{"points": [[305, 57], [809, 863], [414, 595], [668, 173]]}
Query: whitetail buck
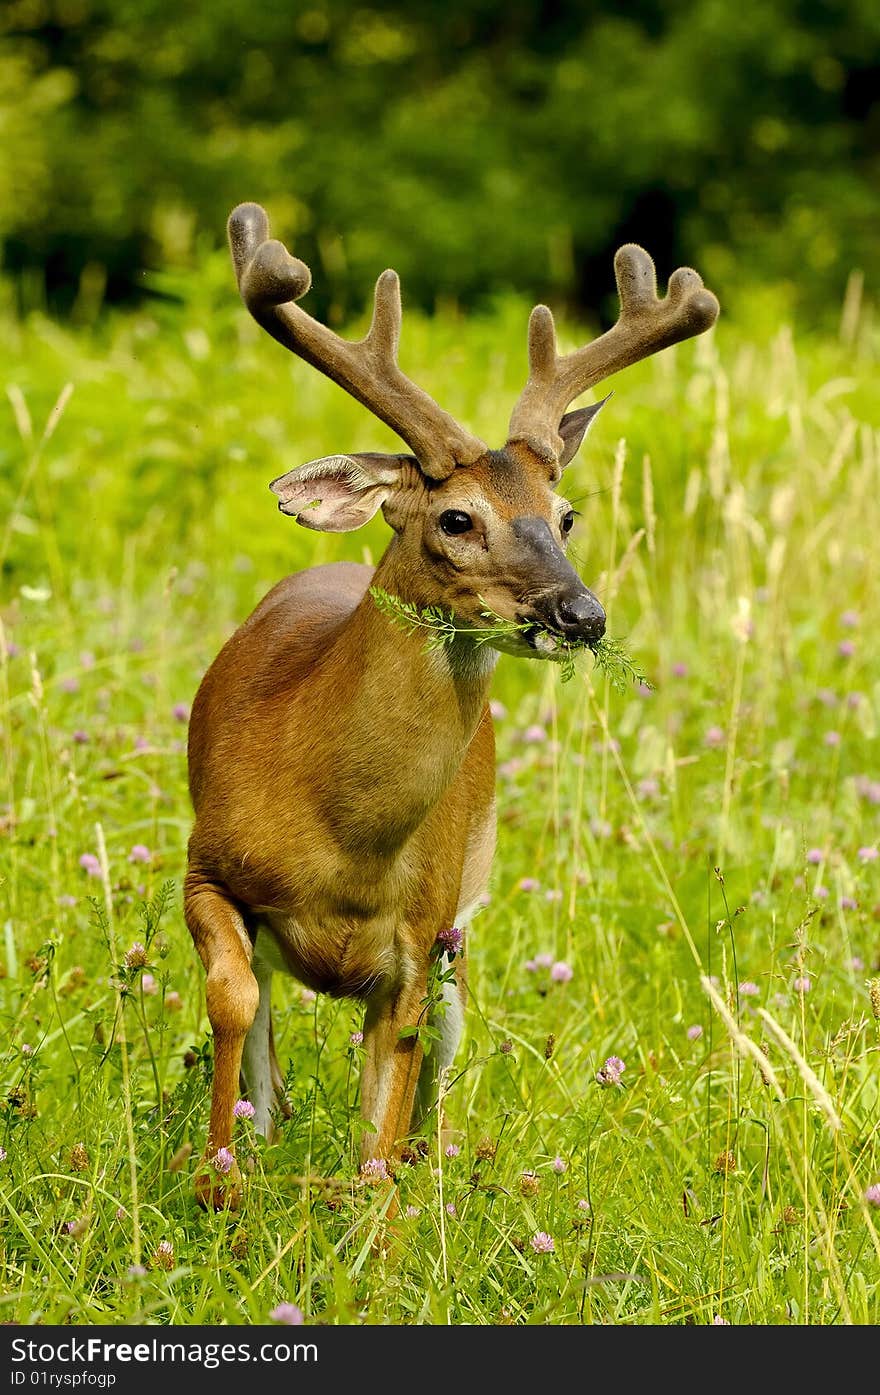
{"points": [[342, 776]]}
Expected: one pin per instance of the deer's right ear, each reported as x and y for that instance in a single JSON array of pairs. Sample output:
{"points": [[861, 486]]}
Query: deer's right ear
{"points": [[339, 492]]}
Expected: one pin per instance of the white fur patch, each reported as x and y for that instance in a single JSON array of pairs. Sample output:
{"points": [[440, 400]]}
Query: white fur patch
{"points": [[255, 1057]]}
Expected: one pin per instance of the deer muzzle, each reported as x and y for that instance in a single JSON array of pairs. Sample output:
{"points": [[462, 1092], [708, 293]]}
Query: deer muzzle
{"points": [[558, 599]]}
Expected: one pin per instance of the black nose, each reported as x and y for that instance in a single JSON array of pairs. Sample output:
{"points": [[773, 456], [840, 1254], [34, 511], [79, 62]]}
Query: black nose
{"points": [[580, 617]]}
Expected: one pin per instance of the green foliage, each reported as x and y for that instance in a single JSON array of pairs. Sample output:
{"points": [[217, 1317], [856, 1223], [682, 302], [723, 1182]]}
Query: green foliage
{"points": [[733, 541], [476, 148], [443, 629]]}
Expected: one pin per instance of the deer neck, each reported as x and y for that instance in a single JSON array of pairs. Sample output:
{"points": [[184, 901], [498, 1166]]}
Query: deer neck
{"points": [[407, 718]]}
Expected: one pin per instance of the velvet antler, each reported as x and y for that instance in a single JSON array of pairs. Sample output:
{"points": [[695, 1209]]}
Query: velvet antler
{"points": [[271, 280], [646, 324]]}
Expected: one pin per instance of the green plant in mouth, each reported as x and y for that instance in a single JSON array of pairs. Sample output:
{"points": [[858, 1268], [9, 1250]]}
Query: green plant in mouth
{"points": [[609, 655]]}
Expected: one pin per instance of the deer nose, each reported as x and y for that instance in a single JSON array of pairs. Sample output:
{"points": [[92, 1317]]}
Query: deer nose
{"points": [[580, 617]]}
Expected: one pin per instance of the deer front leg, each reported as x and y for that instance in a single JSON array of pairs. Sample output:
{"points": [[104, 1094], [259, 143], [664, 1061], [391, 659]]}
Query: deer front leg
{"points": [[391, 1066], [232, 997]]}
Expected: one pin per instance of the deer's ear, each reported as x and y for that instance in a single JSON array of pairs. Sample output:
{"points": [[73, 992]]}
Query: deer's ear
{"points": [[339, 492], [573, 428]]}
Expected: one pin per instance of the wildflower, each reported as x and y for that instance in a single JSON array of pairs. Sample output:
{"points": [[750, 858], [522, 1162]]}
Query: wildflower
{"points": [[714, 737], [136, 957], [725, 1162], [243, 1109], [69, 685], [868, 854], [451, 941], [695, 1032], [854, 700], [529, 1183], [719, 1321], [802, 984], [649, 788], [827, 697], [140, 853], [486, 1149], [180, 712], [78, 1227], [510, 768], [583, 1205], [815, 855], [121, 1213], [67, 900], [356, 1039], [173, 1001], [87, 659], [644, 690], [749, 990], [846, 648], [90, 864], [412, 1211], [856, 964], [528, 884], [561, 972], [149, 984], [832, 738], [848, 903], [452, 1150], [611, 1071], [27, 1049], [601, 828], [375, 1170], [164, 1255], [287, 1313], [307, 995], [531, 966], [821, 893], [554, 894], [533, 735], [849, 619], [872, 1194], [81, 737], [506, 1047], [224, 1160], [450, 1209], [559, 1165], [141, 743], [497, 710], [79, 1158], [543, 961], [542, 1243], [679, 670]]}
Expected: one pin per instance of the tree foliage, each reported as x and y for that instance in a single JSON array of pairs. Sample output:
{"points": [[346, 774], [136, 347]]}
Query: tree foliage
{"points": [[475, 146]]}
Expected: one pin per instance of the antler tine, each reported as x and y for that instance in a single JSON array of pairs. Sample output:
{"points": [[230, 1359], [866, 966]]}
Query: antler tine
{"points": [[271, 280], [646, 324]]}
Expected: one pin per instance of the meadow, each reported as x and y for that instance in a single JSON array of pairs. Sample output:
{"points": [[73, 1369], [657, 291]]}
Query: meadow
{"points": [[687, 877]]}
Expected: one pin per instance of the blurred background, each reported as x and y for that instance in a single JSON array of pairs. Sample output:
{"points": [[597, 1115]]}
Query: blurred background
{"points": [[479, 148]]}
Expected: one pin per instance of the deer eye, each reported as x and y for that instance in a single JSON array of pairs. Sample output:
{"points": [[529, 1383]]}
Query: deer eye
{"points": [[456, 521], [567, 522]]}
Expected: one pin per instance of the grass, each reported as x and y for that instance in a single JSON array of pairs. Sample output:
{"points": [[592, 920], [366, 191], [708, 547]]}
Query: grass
{"points": [[699, 854]]}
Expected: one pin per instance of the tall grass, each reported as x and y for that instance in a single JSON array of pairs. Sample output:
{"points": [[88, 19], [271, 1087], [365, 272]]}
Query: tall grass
{"points": [[701, 855]]}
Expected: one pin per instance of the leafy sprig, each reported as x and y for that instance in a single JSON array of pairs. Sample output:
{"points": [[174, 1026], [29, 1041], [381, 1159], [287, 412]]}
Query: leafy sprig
{"points": [[441, 629]]}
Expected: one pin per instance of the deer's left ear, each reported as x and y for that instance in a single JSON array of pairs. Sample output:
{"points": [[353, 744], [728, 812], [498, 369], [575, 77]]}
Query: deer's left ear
{"points": [[574, 427], [339, 492]]}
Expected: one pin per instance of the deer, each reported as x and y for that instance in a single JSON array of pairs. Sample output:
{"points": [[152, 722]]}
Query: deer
{"points": [[342, 775]]}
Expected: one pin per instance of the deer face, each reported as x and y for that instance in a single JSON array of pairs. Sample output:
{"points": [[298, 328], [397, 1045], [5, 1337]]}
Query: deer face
{"points": [[492, 540]]}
